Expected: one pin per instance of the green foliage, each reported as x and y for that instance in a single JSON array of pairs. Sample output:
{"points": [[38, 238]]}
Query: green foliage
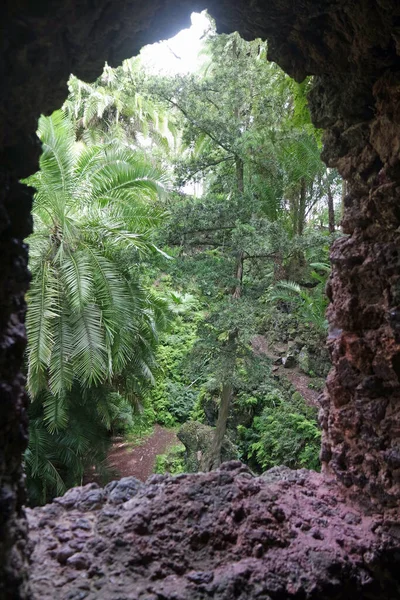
{"points": [[310, 307], [251, 382], [286, 433], [173, 395], [90, 322], [56, 460], [262, 176], [317, 384], [120, 338], [117, 108], [172, 462], [84, 314]]}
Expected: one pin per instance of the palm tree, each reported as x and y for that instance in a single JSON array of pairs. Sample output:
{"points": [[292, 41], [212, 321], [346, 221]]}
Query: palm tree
{"points": [[88, 320], [117, 106]]}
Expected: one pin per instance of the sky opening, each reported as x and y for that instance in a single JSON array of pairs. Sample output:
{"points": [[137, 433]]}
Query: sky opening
{"points": [[180, 54]]}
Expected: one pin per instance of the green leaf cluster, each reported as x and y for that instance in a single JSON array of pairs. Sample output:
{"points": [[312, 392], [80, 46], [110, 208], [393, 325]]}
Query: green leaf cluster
{"points": [[90, 322], [286, 433], [172, 462]]}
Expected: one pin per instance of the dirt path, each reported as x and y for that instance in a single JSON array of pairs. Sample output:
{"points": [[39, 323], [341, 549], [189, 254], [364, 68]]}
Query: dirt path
{"points": [[298, 379], [127, 459], [300, 382]]}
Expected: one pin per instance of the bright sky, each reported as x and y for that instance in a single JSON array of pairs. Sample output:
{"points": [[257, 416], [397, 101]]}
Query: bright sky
{"points": [[180, 54]]}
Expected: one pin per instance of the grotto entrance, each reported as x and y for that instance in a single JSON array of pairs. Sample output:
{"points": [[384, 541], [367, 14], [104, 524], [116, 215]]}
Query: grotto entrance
{"points": [[353, 52]]}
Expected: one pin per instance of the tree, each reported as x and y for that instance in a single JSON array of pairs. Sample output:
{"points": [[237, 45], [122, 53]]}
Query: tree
{"points": [[250, 140], [89, 320], [223, 110], [117, 107]]}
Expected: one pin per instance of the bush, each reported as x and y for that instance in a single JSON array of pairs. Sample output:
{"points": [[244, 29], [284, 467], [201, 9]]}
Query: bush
{"points": [[172, 398], [181, 400], [172, 462], [286, 433]]}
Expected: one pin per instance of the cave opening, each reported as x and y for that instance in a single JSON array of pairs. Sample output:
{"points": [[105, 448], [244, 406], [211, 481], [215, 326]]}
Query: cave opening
{"points": [[77, 402], [353, 54]]}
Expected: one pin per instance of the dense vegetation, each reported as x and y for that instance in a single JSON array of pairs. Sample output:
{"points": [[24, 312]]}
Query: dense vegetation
{"points": [[178, 220]]}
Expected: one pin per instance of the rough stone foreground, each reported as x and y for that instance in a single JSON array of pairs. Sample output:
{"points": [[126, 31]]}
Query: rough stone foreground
{"points": [[225, 534]]}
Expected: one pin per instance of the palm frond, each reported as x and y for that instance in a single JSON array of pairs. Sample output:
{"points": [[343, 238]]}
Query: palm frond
{"points": [[61, 368], [77, 277], [56, 162], [43, 309], [55, 412], [90, 348]]}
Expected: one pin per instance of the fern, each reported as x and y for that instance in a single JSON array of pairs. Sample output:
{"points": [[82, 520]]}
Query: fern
{"points": [[310, 307]]}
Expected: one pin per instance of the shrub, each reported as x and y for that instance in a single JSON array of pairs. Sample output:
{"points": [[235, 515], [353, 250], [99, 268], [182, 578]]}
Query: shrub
{"points": [[172, 398], [172, 462], [286, 433]]}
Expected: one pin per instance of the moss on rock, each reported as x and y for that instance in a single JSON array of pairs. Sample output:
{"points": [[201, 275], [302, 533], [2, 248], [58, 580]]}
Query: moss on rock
{"points": [[197, 439]]}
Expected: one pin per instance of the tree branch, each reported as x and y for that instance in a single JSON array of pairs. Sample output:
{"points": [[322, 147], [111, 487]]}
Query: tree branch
{"points": [[189, 118], [207, 229], [212, 164], [255, 256]]}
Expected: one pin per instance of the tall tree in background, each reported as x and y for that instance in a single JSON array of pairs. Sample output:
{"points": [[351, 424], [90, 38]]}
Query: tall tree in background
{"points": [[222, 111], [117, 107], [251, 143]]}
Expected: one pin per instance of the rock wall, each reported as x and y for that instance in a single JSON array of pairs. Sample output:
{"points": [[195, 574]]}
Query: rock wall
{"points": [[353, 50], [13, 422], [223, 535], [361, 407]]}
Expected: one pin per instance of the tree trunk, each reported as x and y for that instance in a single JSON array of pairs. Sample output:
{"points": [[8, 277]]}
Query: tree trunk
{"points": [[279, 269], [293, 212], [239, 174], [214, 458], [302, 207], [331, 210], [237, 292]]}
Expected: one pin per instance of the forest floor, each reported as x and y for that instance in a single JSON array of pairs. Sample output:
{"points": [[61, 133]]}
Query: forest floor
{"points": [[133, 458], [137, 457], [300, 381], [128, 459], [297, 378]]}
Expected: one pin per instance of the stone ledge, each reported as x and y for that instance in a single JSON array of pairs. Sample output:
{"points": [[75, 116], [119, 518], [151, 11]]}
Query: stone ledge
{"points": [[224, 534]]}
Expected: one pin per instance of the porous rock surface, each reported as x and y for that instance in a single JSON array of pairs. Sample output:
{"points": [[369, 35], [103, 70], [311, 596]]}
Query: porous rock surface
{"points": [[360, 414], [224, 534]]}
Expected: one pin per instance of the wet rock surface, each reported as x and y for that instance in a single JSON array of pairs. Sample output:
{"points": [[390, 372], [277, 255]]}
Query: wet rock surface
{"points": [[224, 534]]}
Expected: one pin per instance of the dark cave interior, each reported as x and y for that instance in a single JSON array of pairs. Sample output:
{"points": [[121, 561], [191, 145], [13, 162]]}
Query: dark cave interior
{"points": [[353, 52]]}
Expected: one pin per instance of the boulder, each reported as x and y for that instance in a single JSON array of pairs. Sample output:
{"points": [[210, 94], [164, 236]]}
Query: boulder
{"points": [[289, 361], [304, 360], [221, 535], [197, 439]]}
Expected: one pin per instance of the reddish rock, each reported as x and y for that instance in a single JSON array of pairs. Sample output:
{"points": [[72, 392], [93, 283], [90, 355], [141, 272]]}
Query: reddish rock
{"points": [[225, 534]]}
